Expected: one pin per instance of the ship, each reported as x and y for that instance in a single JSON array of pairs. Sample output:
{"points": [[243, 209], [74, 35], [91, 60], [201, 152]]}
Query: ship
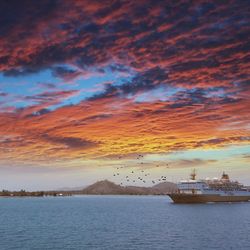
{"points": [[210, 190]]}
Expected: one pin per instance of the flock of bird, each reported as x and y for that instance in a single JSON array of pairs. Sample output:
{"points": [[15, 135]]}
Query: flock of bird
{"points": [[140, 174]]}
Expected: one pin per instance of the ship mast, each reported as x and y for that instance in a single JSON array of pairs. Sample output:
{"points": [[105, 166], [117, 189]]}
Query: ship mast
{"points": [[193, 174]]}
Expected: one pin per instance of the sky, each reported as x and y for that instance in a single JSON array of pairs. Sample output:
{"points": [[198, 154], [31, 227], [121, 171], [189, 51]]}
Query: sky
{"points": [[93, 90]]}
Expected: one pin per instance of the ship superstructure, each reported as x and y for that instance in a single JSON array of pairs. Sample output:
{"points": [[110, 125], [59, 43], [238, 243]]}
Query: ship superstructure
{"points": [[215, 190]]}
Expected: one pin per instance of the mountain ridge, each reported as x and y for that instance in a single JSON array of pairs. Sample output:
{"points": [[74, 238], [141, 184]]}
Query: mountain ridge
{"points": [[105, 187]]}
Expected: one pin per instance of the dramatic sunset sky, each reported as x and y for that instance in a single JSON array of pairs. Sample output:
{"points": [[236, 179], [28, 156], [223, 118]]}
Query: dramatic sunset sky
{"points": [[87, 86]]}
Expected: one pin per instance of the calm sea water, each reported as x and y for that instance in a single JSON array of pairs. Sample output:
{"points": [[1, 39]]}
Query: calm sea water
{"points": [[121, 222]]}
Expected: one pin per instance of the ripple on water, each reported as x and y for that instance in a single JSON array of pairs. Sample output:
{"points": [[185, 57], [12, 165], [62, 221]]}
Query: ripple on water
{"points": [[121, 222]]}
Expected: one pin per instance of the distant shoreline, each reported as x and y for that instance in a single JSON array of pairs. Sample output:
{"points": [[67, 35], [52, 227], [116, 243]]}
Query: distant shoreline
{"points": [[104, 187], [74, 195]]}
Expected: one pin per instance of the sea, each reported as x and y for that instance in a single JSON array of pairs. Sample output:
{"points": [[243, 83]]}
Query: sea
{"points": [[121, 222]]}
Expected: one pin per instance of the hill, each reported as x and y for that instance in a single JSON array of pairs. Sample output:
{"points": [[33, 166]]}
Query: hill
{"points": [[103, 187], [108, 187], [165, 187]]}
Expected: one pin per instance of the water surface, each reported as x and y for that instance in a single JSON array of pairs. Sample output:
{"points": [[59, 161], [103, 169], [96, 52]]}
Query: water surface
{"points": [[121, 222]]}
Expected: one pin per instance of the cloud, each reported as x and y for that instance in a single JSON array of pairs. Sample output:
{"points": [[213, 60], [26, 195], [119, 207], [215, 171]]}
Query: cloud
{"points": [[145, 81], [246, 157], [3, 94], [101, 35], [53, 97], [194, 55], [43, 101], [121, 126], [193, 162], [49, 86], [65, 73], [71, 142]]}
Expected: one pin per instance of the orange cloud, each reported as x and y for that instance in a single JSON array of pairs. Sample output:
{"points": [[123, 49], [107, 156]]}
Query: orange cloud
{"points": [[114, 126]]}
